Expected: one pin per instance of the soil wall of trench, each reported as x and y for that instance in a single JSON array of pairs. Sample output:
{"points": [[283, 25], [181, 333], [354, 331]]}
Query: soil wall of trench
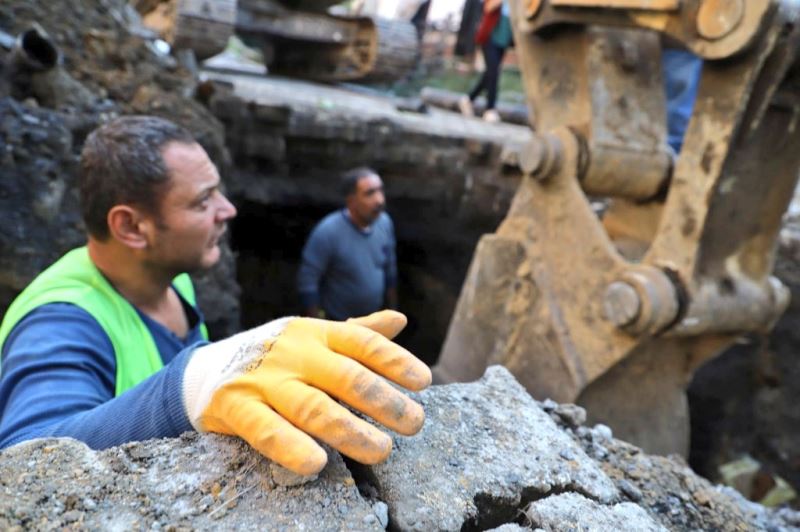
{"points": [[279, 158]]}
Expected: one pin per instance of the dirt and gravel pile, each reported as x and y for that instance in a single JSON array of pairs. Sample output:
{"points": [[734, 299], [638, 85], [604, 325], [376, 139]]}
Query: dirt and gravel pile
{"points": [[113, 58], [488, 456], [106, 66], [668, 488], [745, 401]]}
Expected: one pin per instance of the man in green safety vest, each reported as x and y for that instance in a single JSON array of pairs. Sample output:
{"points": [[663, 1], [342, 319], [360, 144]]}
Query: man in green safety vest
{"points": [[108, 346]]}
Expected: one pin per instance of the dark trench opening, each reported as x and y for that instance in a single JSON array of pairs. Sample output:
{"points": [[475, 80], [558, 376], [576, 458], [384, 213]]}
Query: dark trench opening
{"points": [[268, 243]]}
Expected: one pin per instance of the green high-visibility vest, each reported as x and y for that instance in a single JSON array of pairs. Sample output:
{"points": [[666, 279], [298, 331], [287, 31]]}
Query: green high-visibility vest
{"points": [[75, 279]]}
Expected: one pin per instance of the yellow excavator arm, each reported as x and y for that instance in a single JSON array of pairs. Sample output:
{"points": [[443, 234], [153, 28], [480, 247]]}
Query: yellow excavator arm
{"points": [[614, 308]]}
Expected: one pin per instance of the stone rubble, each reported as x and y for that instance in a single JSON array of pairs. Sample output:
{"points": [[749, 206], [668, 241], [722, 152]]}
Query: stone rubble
{"points": [[486, 450], [488, 456]]}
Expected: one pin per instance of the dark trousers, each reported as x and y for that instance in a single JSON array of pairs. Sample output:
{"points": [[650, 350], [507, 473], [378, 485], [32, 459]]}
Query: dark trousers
{"points": [[493, 56]]}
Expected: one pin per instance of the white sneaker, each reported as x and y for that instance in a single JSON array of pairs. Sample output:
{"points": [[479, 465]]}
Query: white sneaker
{"points": [[465, 106], [491, 116]]}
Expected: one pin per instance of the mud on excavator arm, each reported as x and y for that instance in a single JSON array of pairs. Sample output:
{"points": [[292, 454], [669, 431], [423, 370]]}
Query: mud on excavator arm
{"points": [[616, 310]]}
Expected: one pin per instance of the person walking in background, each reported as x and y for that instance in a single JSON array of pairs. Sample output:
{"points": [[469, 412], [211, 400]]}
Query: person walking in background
{"points": [[349, 262], [494, 36]]}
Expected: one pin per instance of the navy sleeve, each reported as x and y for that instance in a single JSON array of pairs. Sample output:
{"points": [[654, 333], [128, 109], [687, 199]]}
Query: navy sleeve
{"points": [[316, 258], [58, 379]]}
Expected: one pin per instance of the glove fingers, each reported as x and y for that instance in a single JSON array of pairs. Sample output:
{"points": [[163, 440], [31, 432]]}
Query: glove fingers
{"points": [[352, 383], [379, 354], [267, 432], [389, 323], [316, 413]]}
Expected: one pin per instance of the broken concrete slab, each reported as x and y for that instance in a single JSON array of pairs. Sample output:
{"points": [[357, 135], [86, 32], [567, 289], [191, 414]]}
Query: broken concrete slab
{"points": [[570, 511], [487, 449], [510, 527], [196, 481], [488, 452]]}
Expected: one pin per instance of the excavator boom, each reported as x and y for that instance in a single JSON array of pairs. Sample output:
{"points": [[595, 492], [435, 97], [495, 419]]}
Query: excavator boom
{"points": [[615, 309]]}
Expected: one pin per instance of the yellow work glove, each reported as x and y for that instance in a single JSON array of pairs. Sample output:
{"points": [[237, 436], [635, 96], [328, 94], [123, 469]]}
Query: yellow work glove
{"points": [[276, 387]]}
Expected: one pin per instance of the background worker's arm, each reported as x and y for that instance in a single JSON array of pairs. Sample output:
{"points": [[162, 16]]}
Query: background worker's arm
{"points": [[391, 268], [58, 379], [315, 260]]}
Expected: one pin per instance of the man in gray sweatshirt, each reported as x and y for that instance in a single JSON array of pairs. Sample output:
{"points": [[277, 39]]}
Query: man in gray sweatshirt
{"points": [[349, 265]]}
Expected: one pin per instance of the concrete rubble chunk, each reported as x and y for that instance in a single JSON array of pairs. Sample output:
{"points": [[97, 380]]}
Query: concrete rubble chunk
{"points": [[487, 449], [570, 511], [199, 482], [487, 453], [674, 495], [510, 527]]}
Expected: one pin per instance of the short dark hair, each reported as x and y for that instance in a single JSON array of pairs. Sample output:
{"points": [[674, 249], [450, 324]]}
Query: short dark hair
{"points": [[350, 179], [122, 163]]}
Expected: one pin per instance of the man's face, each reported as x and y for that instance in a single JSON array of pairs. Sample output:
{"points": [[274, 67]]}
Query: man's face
{"points": [[367, 202], [193, 212]]}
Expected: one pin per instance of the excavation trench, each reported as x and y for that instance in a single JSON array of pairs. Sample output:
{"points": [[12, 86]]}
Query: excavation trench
{"points": [[279, 159], [268, 243]]}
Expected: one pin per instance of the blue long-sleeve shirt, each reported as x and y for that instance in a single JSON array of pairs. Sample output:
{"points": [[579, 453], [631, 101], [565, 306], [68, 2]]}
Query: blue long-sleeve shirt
{"points": [[681, 71], [347, 270], [59, 375]]}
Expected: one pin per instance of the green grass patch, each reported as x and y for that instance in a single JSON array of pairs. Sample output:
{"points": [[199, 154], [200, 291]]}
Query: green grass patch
{"points": [[510, 88]]}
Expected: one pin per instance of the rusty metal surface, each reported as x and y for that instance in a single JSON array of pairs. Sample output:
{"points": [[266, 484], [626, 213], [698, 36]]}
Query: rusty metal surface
{"points": [[617, 313], [300, 39], [717, 18], [557, 342], [680, 25], [627, 149], [297, 25], [203, 27], [328, 47], [651, 5]]}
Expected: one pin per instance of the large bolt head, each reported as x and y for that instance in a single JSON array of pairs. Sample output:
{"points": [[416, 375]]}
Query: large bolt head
{"points": [[621, 304], [531, 156], [717, 18], [541, 156]]}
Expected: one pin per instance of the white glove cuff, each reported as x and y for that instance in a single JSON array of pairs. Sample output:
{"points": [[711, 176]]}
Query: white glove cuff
{"points": [[213, 365]]}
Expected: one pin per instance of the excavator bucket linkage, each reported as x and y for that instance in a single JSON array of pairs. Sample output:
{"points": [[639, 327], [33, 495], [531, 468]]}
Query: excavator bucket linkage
{"points": [[614, 307]]}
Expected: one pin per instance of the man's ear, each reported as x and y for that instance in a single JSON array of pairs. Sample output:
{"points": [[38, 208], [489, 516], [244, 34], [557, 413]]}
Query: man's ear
{"points": [[129, 226]]}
